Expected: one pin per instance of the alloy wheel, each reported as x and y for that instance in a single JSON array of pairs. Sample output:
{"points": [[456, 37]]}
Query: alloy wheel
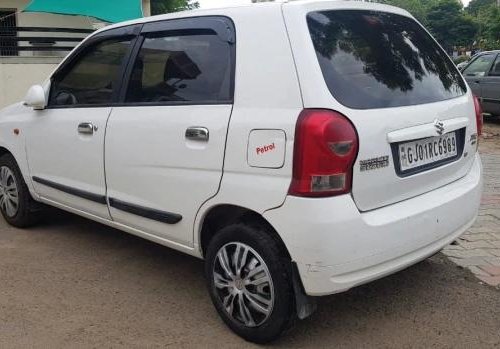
{"points": [[243, 284], [9, 194]]}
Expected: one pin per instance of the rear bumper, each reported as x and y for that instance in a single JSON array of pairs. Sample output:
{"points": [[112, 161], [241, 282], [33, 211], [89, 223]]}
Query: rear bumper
{"points": [[336, 247]]}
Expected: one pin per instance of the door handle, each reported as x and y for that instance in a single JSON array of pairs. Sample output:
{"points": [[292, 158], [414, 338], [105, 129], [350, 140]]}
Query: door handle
{"points": [[197, 134], [87, 128]]}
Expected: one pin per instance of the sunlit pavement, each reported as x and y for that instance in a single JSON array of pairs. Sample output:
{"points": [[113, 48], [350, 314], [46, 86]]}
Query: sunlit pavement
{"points": [[479, 249]]}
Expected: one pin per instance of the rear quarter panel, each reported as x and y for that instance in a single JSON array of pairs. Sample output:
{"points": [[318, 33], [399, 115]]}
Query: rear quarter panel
{"points": [[267, 96]]}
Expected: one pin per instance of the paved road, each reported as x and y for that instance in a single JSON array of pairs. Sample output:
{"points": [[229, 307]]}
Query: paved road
{"points": [[72, 283], [479, 248]]}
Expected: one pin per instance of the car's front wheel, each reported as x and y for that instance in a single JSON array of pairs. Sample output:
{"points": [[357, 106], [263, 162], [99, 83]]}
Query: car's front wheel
{"points": [[250, 283], [16, 204]]}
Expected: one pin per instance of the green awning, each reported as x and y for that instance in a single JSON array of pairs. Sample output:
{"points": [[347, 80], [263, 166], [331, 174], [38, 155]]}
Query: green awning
{"points": [[106, 10]]}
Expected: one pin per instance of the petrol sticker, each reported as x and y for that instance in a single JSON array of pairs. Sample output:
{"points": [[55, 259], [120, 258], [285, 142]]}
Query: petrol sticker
{"points": [[265, 149]]}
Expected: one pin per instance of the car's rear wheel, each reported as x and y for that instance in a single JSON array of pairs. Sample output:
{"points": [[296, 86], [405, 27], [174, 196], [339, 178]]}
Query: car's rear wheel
{"points": [[249, 282], [16, 204]]}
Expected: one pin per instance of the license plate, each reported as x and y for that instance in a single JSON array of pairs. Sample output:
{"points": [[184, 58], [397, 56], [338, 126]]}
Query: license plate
{"points": [[427, 151]]}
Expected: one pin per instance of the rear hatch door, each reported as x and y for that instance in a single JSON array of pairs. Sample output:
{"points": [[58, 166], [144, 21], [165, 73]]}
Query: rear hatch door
{"points": [[413, 113]]}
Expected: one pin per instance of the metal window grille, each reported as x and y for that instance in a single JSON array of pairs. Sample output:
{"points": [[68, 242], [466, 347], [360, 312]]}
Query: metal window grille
{"points": [[8, 30]]}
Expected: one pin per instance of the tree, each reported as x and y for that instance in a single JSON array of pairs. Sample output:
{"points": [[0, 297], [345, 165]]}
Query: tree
{"points": [[450, 25], [488, 18], [167, 6], [415, 7], [464, 32], [447, 21], [476, 5], [418, 8]]}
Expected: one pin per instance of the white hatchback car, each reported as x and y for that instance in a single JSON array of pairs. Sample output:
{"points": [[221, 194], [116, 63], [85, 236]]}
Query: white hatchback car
{"points": [[300, 148]]}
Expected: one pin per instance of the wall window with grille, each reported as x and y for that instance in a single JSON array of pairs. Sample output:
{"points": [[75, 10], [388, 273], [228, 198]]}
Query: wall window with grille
{"points": [[8, 33]]}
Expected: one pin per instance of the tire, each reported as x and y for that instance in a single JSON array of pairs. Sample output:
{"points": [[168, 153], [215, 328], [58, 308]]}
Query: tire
{"points": [[276, 296], [16, 204]]}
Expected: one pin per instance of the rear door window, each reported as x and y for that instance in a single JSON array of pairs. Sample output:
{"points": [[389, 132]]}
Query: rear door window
{"points": [[373, 59], [193, 67]]}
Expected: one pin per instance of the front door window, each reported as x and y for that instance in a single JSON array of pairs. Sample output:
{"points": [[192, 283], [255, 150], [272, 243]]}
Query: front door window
{"points": [[93, 78]]}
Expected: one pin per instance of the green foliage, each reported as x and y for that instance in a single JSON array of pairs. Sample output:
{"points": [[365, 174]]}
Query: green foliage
{"points": [[464, 32], [477, 26], [416, 7], [476, 5], [450, 25], [488, 18], [167, 6], [461, 59]]}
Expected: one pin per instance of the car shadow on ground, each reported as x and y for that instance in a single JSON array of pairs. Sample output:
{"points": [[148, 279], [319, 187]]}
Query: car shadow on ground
{"points": [[412, 307]]}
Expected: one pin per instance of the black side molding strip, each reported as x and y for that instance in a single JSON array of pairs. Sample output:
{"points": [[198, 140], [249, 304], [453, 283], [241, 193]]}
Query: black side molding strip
{"points": [[156, 215], [100, 199]]}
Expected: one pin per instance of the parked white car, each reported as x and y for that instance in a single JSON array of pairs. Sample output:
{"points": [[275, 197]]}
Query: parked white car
{"points": [[300, 148]]}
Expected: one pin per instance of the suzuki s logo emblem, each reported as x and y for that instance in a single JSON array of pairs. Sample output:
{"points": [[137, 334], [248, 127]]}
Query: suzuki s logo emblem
{"points": [[439, 125]]}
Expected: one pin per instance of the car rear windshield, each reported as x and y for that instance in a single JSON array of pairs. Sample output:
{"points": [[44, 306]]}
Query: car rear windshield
{"points": [[374, 59]]}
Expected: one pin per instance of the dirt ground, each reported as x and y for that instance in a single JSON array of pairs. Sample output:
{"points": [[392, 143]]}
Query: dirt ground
{"points": [[72, 283], [490, 142]]}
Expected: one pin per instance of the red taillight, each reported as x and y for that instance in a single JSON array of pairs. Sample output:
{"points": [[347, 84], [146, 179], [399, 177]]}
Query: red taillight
{"points": [[326, 146], [479, 116]]}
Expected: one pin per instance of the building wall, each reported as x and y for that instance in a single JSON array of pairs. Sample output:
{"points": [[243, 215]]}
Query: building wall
{"points": [[146, 8], [18, 74]]}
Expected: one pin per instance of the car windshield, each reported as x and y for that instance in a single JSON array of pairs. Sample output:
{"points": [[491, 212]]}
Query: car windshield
{"points": [[375, 59]]}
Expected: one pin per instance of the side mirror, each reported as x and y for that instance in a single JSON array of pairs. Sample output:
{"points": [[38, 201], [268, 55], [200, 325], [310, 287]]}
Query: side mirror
{"points": [[35, 98]]}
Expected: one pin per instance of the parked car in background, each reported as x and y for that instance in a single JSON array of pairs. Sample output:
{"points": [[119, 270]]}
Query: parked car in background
{"points": [[482, 74], [300, 148]]}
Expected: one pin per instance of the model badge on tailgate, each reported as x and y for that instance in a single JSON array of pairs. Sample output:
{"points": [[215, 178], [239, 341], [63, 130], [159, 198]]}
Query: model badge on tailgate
{"points": [[375, 163]]}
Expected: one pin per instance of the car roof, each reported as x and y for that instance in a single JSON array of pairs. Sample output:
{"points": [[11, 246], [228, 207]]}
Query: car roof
{"points": [[188, 14], [492, 51], [244, 7]]}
